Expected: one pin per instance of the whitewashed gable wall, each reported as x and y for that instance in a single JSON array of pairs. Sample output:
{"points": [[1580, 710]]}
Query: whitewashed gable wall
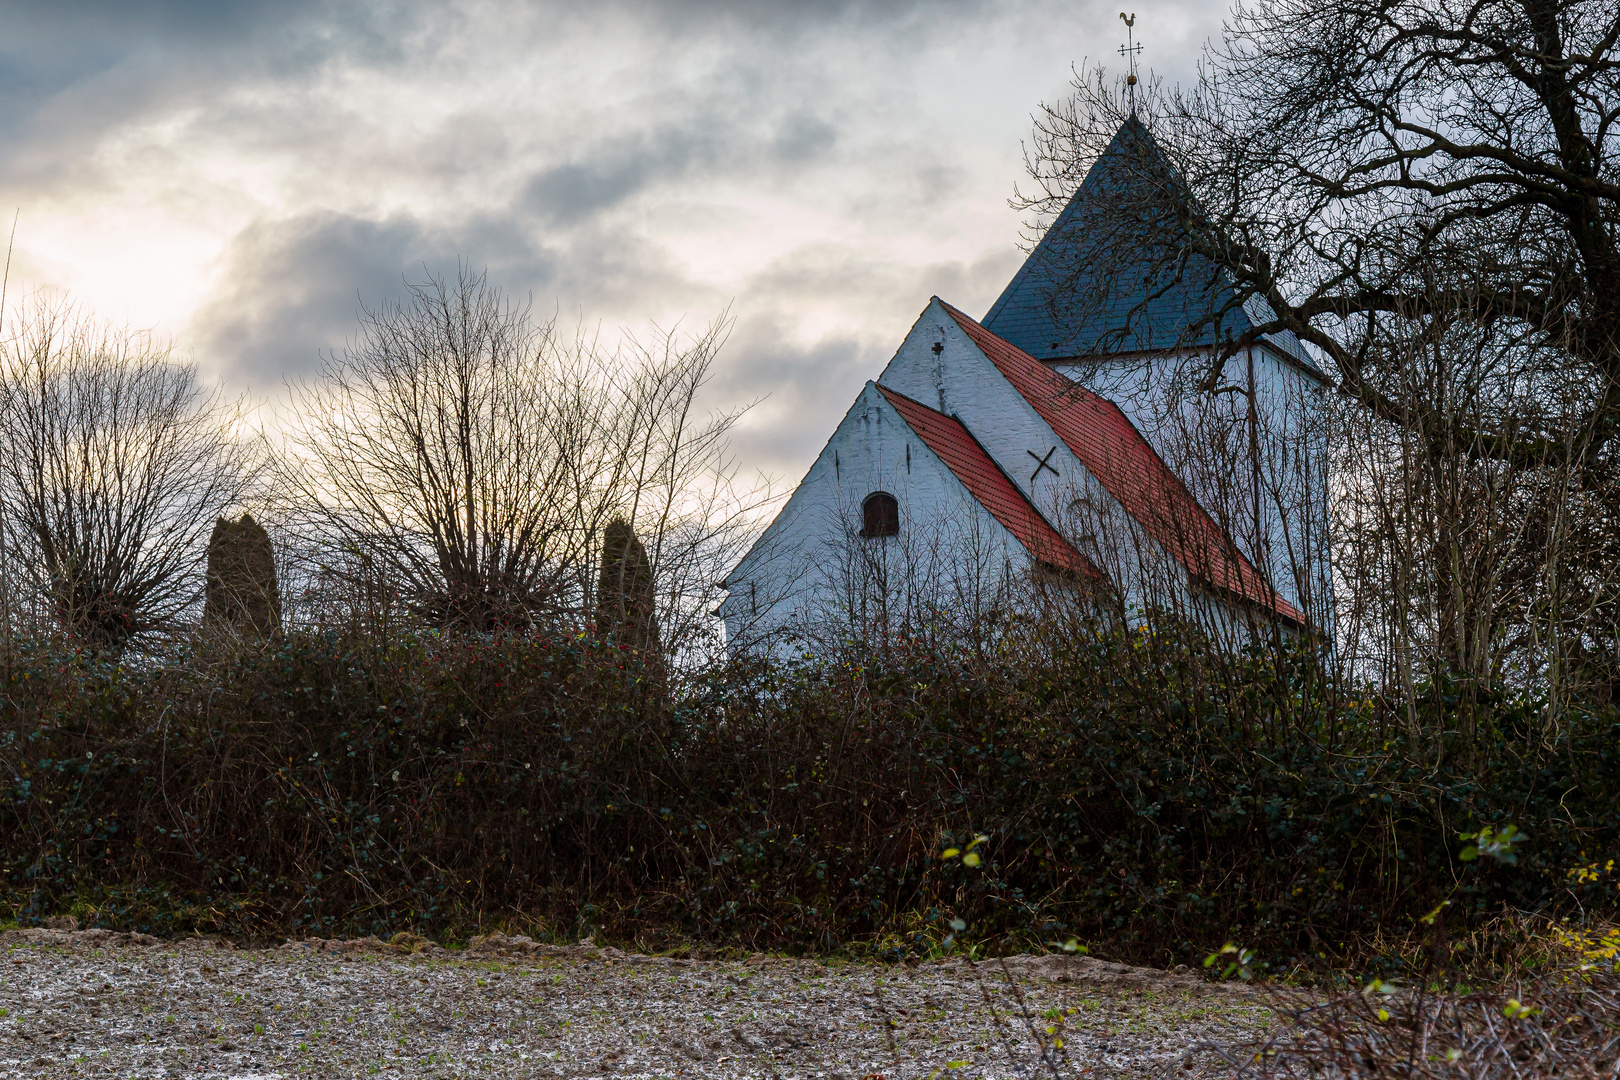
{"points": [[795, 583]]}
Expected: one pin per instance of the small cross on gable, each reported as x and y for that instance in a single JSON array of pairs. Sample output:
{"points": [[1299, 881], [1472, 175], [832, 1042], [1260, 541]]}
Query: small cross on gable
{"points": [[1042, 463]]}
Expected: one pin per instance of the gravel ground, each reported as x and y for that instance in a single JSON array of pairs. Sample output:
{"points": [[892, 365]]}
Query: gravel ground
{"points": [[97, 1003]]}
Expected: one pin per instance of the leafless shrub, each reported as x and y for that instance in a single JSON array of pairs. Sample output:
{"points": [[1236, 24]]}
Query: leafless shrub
{"points": [[1563, 1024], [465, 459], [115, 461], [1459, 563]]}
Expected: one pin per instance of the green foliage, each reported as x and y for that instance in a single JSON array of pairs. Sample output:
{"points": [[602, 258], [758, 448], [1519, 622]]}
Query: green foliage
{"points": [[1119, 793], [1232, 960], [1499, 845]]}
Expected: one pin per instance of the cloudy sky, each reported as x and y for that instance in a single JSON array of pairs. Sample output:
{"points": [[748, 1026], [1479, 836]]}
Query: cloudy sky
{"points": [[239, 174]]}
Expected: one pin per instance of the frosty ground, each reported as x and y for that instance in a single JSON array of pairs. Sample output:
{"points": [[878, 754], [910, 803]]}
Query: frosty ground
{"points": [[96, 1003]]}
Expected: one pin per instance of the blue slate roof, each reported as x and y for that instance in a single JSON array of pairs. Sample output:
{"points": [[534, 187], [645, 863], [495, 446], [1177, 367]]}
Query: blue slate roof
{"points": [[1077, 295]]}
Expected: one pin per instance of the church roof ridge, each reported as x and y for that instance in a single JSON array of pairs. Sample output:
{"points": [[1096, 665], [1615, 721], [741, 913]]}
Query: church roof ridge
{"points": [[1099, 433]]}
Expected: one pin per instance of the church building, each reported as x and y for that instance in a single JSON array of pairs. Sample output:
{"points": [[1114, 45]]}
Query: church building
{"points": [[1088, 435]]}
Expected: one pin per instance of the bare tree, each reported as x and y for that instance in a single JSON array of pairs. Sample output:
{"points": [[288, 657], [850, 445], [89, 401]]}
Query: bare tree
{"points": [[1459, 564], [1428, 194], [1348, 166], [115, 461], [683, 490], [471, 458]]}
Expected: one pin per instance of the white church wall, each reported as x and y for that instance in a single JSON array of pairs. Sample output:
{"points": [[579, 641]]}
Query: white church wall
{"points": [[1205, 438], [959, 380], [812, 577]]}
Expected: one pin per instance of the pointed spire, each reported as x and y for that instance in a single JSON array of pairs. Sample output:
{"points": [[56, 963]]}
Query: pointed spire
{"points": [[1111, 274]]}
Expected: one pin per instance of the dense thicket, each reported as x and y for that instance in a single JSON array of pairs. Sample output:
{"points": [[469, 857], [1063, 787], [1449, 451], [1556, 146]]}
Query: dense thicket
{"points": [[1132, 797]]}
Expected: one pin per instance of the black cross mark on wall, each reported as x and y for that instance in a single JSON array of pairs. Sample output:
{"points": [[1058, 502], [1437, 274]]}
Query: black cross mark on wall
{"points": [[1042, 463]]}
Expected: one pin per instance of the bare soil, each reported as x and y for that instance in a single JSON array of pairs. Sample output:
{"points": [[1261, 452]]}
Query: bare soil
{"points": [[98, 1003]]}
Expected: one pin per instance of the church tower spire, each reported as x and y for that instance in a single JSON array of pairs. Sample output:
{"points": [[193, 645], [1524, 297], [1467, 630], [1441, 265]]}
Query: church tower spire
{"points": [[1129, 51]]}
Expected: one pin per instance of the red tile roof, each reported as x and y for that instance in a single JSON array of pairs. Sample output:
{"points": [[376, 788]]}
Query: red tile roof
{"points": [[962, 454], [1109, 445]]}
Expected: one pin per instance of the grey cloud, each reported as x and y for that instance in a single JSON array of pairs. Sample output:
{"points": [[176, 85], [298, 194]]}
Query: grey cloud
{"points": [[803, 136], [28, 75], [292, 288], [973, 286], [875, 292], [120, 27], [621, 168], [803, 388], [604, 272], [328, 118], [91, 33], [784, 19], [718, 139], [799, 390], [74, 74]]}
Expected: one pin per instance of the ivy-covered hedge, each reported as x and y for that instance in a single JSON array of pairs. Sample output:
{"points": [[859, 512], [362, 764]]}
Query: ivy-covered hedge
{"points": [[346, 785]]}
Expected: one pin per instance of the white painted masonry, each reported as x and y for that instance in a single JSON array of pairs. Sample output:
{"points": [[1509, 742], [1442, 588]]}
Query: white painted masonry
{"points": [[961, 381], [811, 576], [1266, 484]]}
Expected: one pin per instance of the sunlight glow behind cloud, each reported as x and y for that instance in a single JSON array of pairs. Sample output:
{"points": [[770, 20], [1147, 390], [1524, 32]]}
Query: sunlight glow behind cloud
{"points": [[240, 175]]}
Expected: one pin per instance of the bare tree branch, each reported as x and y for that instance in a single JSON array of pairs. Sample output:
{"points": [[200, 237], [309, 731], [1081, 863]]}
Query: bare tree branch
{"points": [[114, 463]]}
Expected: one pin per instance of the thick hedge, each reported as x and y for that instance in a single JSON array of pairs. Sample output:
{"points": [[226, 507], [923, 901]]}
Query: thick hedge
{"points": [[333, 784]]}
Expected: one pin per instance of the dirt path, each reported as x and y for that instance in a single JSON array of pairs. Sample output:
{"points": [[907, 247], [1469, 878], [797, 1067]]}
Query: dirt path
{"points": [[95, 1003]]}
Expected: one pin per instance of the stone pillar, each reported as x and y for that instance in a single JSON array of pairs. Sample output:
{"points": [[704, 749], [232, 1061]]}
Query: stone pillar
{"points": [[242, 594], [624, 593]]}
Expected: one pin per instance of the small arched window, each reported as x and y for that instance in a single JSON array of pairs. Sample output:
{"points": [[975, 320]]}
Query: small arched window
{"points": [[880, 515]]}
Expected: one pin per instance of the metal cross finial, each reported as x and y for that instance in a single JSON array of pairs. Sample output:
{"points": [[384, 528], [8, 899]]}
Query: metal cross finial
{"points": [[1130, 50]]}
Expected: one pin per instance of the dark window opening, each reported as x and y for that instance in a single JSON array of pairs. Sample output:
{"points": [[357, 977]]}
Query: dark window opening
{"points": [[880, 515]]}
